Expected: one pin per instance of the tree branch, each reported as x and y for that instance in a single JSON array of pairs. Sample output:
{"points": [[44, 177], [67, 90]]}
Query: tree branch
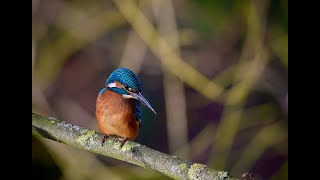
{"points": [[131, 152]]}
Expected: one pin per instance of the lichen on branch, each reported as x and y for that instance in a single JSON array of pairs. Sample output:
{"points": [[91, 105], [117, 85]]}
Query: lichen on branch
{"points": [[131, 152]]}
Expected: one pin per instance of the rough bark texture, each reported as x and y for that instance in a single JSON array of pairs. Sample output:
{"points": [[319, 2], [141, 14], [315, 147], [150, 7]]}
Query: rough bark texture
{"points": [[131, 152]]}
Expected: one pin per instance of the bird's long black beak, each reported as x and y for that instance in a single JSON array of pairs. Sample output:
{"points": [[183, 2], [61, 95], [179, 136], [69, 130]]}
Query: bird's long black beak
{"points": [[139, 97]]}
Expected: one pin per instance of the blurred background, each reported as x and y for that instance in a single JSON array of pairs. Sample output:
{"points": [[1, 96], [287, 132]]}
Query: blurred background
{"points": [[215, 71]]}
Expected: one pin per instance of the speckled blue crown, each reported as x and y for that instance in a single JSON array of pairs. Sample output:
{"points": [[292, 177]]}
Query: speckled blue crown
{"points": [[126, 77]]}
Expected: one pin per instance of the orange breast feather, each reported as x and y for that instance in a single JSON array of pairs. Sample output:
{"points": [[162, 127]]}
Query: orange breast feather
{"points": [[115, 115]]}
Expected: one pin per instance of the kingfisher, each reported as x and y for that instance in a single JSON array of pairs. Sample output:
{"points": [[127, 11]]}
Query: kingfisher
{"points": [[118, 106]]}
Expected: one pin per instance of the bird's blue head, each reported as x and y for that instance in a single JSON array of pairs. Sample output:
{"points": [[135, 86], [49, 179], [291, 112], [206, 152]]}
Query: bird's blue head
{"points": [[127, 78], [124, 82]]}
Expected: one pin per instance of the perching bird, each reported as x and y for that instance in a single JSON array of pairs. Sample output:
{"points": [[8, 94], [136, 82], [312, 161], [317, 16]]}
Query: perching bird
{"points": [[118, 106]]}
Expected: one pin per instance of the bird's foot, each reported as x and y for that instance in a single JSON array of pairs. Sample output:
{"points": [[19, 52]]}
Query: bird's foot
{"points": [[123, 141], [105, 136]]}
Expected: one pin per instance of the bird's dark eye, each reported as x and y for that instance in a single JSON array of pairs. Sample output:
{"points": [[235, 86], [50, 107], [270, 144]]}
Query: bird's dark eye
{"points": [[129, 89]]}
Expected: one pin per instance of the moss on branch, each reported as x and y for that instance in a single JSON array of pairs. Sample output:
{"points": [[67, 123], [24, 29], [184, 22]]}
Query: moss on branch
{"points": [[131, 152]]}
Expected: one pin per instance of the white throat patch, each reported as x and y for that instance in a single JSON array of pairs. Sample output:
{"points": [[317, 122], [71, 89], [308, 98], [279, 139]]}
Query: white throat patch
{"points": [[127, 96]]}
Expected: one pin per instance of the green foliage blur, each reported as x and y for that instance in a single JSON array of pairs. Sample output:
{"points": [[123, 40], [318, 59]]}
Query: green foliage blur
{"points": [[215, 71]]}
